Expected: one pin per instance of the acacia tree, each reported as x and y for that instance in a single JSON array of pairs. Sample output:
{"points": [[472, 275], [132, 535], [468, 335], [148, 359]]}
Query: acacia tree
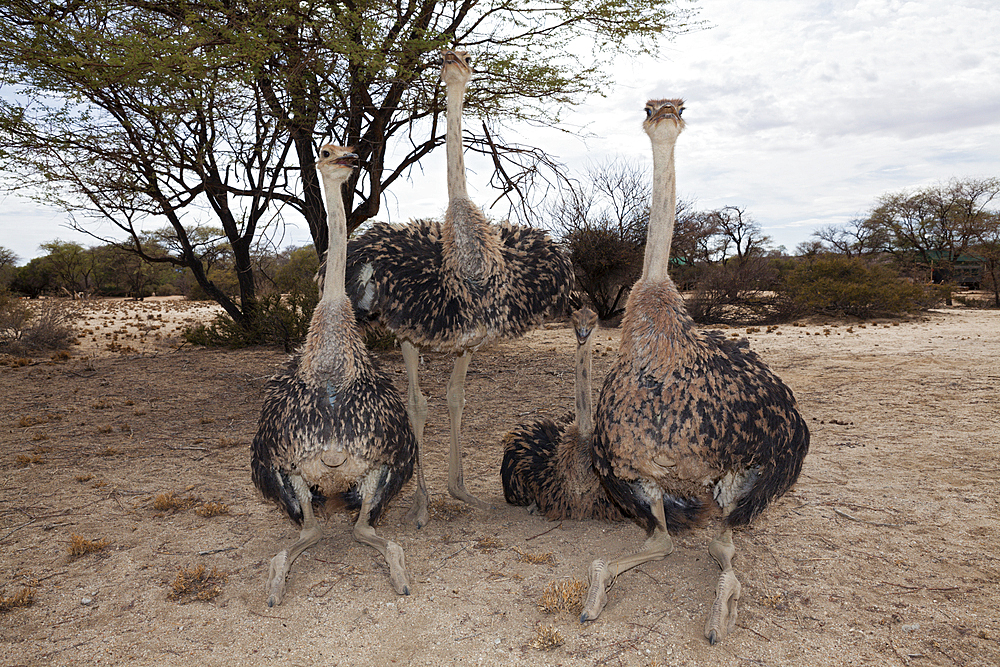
{"points": [[203, 110]]}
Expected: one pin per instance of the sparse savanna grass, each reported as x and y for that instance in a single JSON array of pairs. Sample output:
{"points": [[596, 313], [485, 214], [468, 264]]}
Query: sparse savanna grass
{"points": [[563, 596], [81, 546], [83, 479], [107, 451], [197, 583], [206, 420], [546, 638], [227, 443], [102, 404], [106, 428], [14, 362], [547, 558]]}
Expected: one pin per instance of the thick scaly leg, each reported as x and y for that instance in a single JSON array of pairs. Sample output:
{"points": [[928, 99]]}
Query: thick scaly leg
{"points": [[416, 410], [602, 574], [310, 534], [456, 403], [722, 618], [391, 552]]}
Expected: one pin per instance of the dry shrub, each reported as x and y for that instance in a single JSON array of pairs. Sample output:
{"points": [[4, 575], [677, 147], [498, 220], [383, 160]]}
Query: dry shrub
{"points": [[197, 583], [22, 330], [80, 546], [546, 638], [23, 598], [25, 460], [563, 596], [211, 509]]}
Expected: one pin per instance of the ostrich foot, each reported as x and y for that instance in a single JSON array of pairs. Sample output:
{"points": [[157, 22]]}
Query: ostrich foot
{"points": [[722, 618], [600, 580], [275, 584], [418, 512], [459, 492], [398, 576]]}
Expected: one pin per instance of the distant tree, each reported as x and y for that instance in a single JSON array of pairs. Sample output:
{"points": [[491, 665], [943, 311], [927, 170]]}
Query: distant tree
{"points": [[72, 266], [34, 278], [987, 246], [739, 234], [8, 266], [855, 238]]}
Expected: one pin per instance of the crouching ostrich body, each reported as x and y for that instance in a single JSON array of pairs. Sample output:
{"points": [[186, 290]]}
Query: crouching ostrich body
{"points": [[332, 425], [687, 420], [550, 466], [454, 286]]}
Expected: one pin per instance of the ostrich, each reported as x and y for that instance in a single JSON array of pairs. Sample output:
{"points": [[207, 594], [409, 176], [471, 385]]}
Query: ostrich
{"points": [[686, 419], [454, 286], [332, 425], [549, 465]]}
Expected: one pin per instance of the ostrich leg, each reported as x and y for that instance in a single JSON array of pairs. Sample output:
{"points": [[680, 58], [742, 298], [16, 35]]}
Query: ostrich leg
{"points": [[456, 403], [416, 410], [391, 552], [722, 618], [603, 574], [282, 563]]}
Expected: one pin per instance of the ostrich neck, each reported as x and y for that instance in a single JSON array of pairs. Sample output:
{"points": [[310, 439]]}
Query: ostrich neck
{"points": [[455, 94], [584, 413], [662, 212], [336, 254]]}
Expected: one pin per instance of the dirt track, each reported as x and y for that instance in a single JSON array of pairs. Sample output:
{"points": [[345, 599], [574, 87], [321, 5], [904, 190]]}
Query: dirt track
{"points": [[883, 554]]}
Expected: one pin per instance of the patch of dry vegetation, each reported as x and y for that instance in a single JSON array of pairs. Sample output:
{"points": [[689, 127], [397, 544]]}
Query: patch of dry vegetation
{"points": [[211, 509], [563, 596], [197, 583], [547, 558], [81, 546], [546, 638]]}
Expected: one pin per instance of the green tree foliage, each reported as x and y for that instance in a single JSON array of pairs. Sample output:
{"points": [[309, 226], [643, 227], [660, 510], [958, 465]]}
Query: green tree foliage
{"points": [[206, 111], [8, 267]]}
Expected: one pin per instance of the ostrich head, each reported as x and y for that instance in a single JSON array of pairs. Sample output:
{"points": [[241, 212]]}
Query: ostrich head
{"points": [[456, 67], [584, 324], [336, 162], [663, 119]]}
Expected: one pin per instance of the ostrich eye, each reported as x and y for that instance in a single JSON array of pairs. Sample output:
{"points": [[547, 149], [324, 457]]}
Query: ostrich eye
{"points": [[326, 153], [649, 112], [680, 111]]}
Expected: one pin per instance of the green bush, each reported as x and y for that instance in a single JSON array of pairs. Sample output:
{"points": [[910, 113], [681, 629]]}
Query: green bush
{"points": [[276, 320], [849, 286]]}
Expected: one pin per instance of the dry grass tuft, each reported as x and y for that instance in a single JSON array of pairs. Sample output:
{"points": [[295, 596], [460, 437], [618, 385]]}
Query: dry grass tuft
{"points": [[546, 638], [443, 510], [83, 478], [211, 509], [171, 502], [80, 546], [25, 460], [563, 596], [547, 558], [23, 598], [488, 543], [197, 583]]}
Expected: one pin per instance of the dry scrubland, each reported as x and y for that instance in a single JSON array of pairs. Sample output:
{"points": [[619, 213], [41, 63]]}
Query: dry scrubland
{"points": [[130, 532]]}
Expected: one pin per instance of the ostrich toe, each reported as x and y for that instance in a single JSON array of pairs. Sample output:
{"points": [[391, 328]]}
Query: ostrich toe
{"points": [[398, 575], [722, 618], [275, 583], [597, 596]]}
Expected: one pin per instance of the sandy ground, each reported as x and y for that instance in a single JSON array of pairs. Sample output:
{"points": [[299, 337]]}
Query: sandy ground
{"points": [[884, 553]]}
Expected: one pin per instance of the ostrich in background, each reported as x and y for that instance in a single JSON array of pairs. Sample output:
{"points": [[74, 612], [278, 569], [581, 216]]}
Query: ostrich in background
{"points": [[549, 466], [332, 426], [686, 420], [454, 286]]}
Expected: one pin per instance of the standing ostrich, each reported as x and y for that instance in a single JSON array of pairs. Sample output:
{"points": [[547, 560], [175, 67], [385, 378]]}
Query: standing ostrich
{"points": [[454, 286], [332, 425], [686, 417], [549, 465]]}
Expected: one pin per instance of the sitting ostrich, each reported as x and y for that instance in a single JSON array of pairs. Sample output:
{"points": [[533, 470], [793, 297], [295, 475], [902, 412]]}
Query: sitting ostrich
{"points": [[332, 425], [550, 466], [454, 286], [686, 420]]}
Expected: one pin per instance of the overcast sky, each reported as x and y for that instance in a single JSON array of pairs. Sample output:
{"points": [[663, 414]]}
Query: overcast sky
{"points": [[802, 112]]}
